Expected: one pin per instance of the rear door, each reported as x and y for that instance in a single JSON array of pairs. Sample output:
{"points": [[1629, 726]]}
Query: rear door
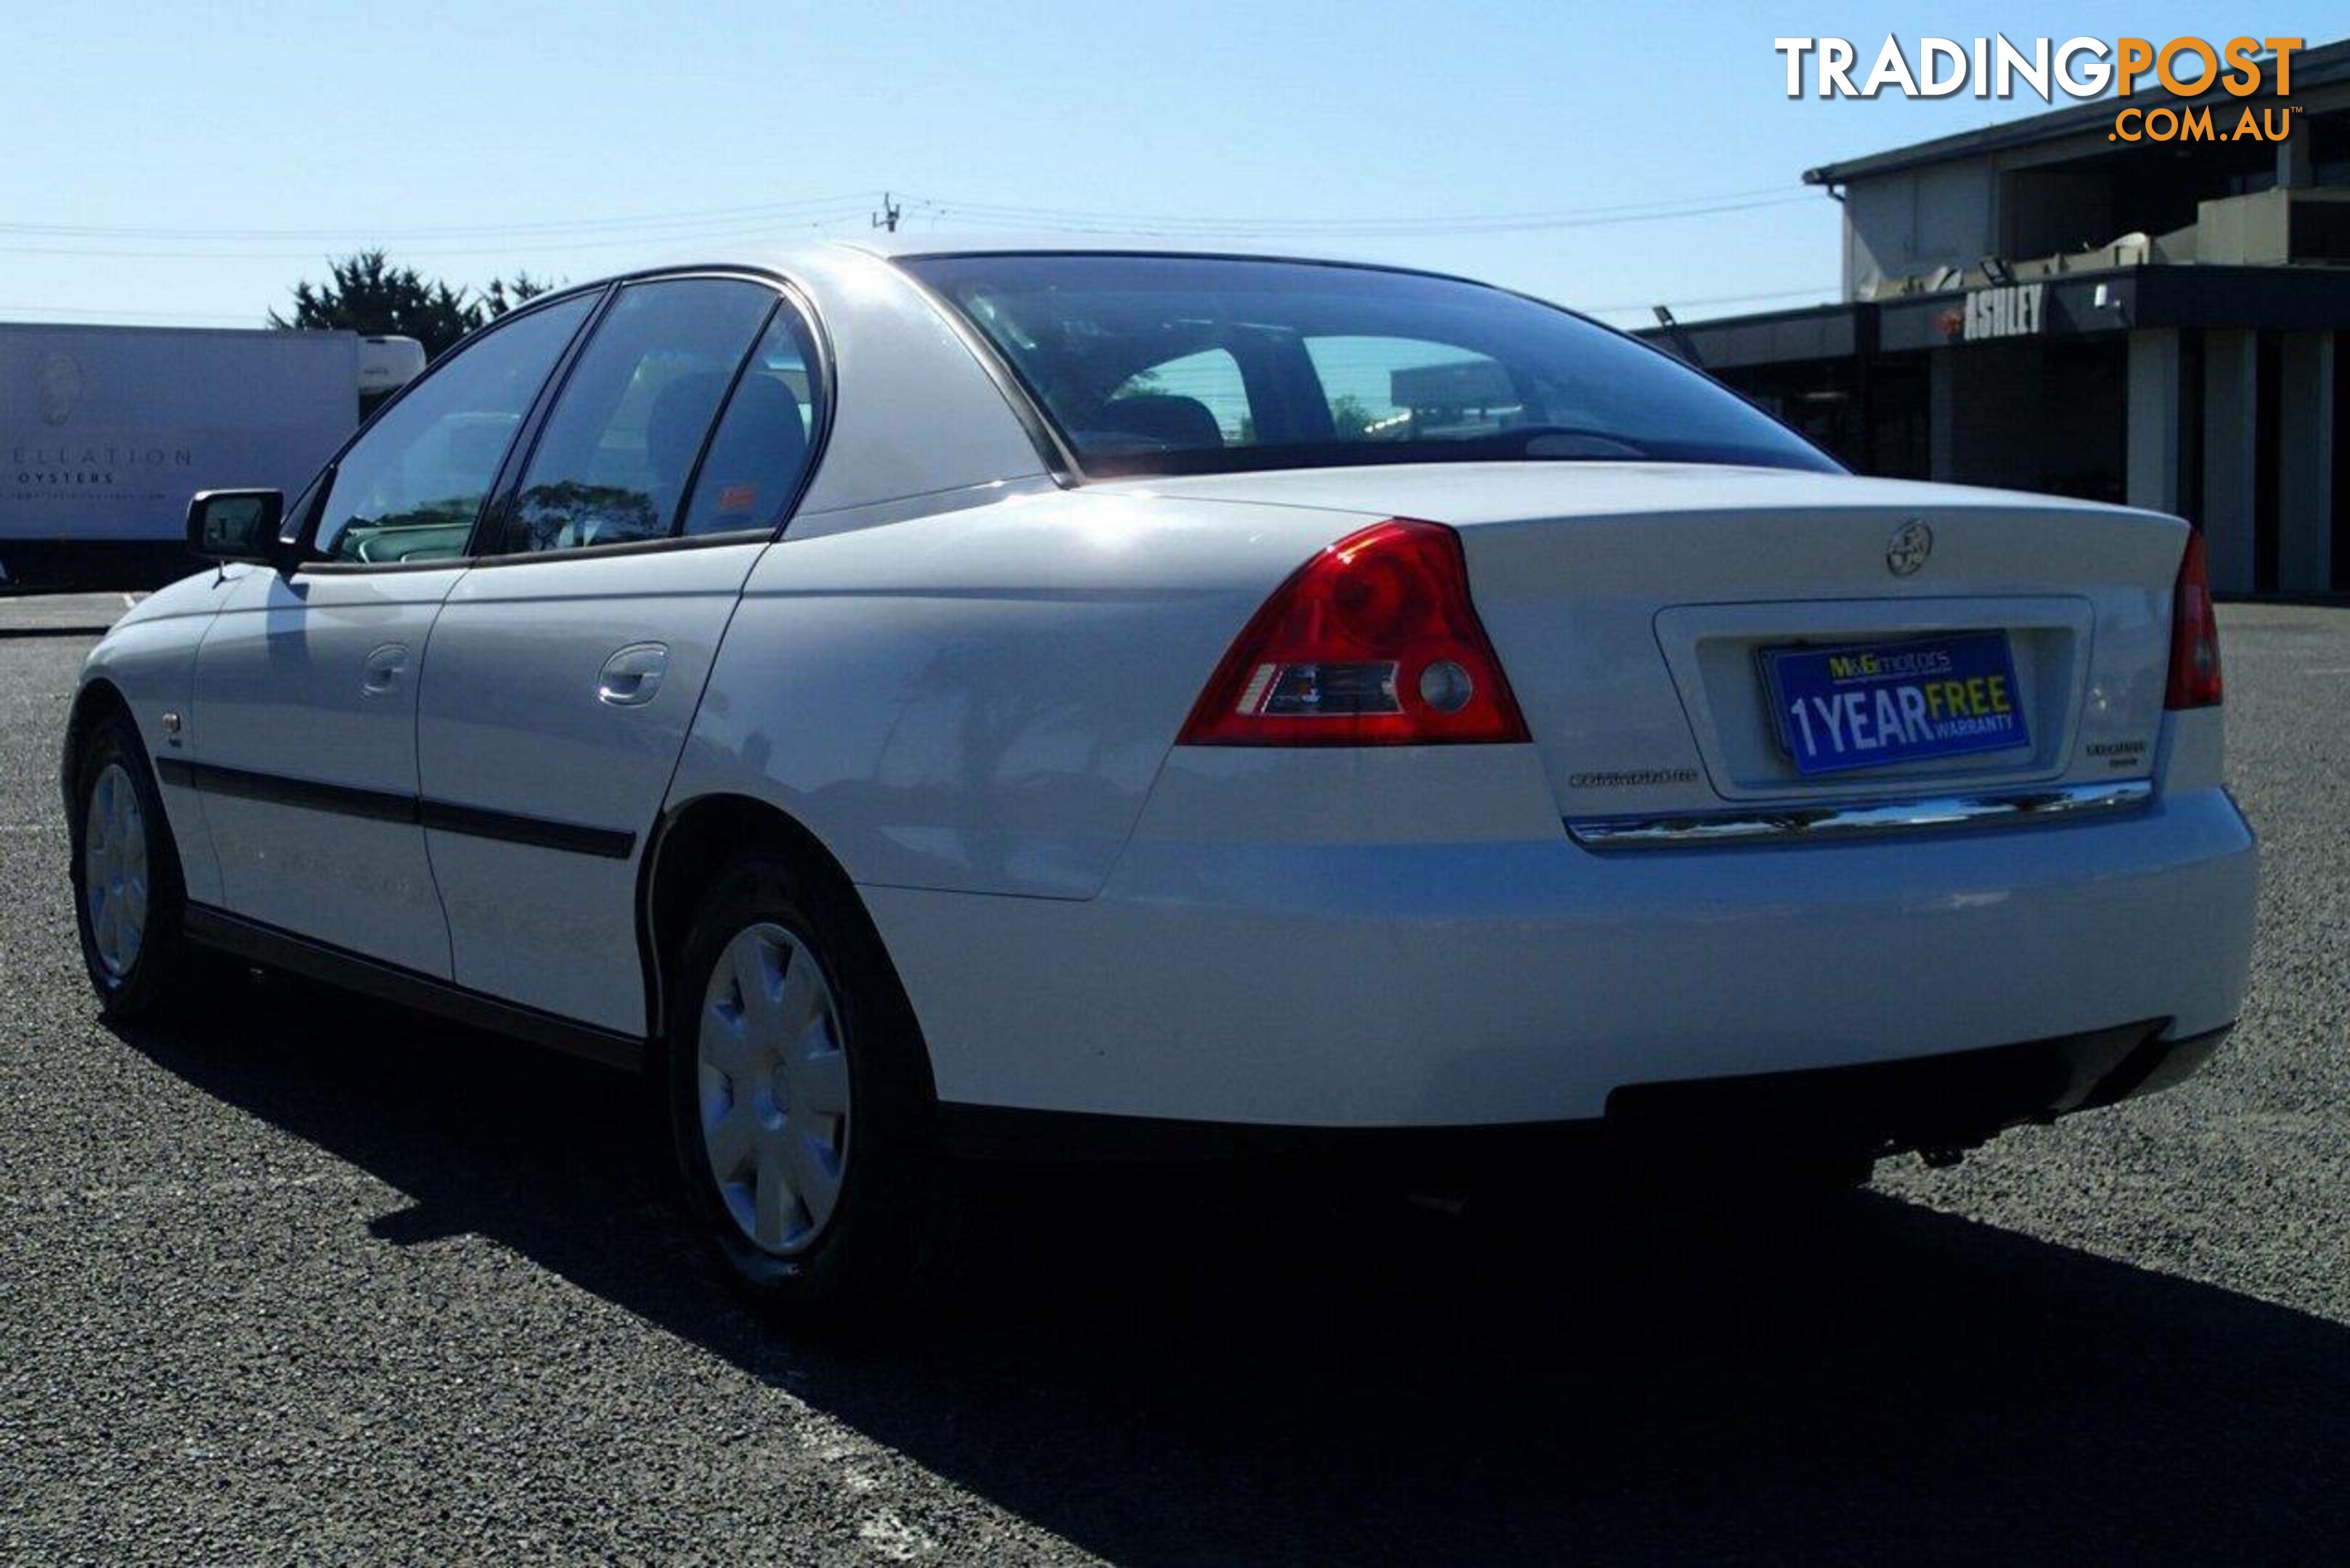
{"points": [[303, 732], [566, 666]]}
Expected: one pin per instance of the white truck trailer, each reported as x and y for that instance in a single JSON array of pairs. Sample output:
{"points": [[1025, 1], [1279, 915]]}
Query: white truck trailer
{"points": [[105, 432]]}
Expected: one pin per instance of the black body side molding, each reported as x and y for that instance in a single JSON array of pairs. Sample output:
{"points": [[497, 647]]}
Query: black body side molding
{"points": [[263, 944], [382, 805]]}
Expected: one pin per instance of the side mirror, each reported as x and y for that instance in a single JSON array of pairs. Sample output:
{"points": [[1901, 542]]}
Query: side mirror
{"points": [[239, 526]]}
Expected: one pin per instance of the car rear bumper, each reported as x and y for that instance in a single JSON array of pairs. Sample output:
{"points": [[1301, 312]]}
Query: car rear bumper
{"points": [[1941, 1103], [1347, 983]]}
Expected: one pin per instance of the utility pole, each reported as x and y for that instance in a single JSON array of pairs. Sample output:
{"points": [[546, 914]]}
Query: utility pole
{"points": [[1677, 337], [887, 218]]}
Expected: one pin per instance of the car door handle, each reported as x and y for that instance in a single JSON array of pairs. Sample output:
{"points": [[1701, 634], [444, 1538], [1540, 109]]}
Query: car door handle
{"points": [[632, 676], [383, 667]]}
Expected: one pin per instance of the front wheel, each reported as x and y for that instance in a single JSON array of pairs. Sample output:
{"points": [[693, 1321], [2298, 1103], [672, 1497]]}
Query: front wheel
{"points": [[129, 898], [798, 1096]]}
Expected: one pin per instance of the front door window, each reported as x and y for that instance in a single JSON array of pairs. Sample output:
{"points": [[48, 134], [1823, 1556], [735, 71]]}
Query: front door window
{"points": [[410, 488]]}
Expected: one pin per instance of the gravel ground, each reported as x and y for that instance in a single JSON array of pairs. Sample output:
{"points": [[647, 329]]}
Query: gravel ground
{"points": [[331, 1280]]}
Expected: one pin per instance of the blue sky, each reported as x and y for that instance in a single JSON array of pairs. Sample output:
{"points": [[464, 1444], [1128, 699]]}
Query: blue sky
{"points": [[206, 156]]}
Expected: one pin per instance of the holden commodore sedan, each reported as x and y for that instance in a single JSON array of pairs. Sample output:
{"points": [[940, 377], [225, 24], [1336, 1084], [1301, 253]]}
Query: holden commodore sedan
{"points": [[916, 705]]}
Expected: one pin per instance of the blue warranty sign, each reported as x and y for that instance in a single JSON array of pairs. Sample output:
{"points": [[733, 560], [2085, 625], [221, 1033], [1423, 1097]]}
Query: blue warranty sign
{"points": [[1872, 705]]}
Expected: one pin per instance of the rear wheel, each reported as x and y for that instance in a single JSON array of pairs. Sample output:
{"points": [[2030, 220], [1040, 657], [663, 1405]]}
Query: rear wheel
{"points": [[129, 901], [771, 1090], [798, 1096]]}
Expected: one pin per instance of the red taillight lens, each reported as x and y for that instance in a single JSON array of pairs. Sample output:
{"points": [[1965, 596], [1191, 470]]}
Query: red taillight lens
{"points": [[1373, 642], [2194, 634]]}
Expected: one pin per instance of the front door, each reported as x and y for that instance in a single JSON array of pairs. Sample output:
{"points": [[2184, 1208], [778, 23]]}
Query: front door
{"points": [[568, 665], [303, 746], [302, 731]]}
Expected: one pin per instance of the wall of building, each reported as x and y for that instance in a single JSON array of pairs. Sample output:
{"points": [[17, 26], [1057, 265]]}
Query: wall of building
{"points": [[2036, 415], [1909, 224], [2232, 428], [1984, 413], [2076, 189], [2051, 212]]}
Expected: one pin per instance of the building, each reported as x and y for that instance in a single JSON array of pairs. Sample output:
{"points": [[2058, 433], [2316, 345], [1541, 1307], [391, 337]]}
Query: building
{"points": [[107, 432], [2043, 306]]}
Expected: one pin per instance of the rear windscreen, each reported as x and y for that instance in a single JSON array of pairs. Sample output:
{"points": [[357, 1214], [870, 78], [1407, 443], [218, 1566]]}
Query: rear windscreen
{"points": [[1153, 364]]}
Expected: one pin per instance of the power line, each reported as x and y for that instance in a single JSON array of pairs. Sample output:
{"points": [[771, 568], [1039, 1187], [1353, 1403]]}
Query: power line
{"points": [[101, 315], [817, 213], [1643, 205], [1367, 231], [1073, 221], [1815, 292], [557, 245], [701, 217]]}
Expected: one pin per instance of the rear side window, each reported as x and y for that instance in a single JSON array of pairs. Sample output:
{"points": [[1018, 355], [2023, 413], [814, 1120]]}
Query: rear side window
{"points": [[1160, 364], [759, 453], [619, 450], [408, 490]]}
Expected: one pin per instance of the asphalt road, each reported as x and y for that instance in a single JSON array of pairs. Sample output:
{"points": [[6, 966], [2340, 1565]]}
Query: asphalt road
{"points": [[332, 1281], [52, 615]]}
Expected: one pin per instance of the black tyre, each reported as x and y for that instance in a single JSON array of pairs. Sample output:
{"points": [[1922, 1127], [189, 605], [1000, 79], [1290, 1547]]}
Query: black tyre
{"points": [[799, 1098], [129, 900]]}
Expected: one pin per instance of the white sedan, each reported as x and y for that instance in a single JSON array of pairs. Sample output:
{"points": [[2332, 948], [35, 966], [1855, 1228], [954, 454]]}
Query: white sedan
{"points": [[920, 704]]}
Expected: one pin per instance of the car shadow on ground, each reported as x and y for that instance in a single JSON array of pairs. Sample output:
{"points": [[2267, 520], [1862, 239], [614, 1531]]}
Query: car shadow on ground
{"points": [[1164, 1376]]}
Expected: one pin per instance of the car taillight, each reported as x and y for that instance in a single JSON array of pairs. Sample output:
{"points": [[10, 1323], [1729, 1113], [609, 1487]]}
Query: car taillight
{"points": [[1373, 642], [2194, 634]]}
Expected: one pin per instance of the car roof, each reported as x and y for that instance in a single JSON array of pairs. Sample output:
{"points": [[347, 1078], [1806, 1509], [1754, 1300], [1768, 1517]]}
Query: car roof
{"points": [[807, 260], [904, 245], [950, 241]]}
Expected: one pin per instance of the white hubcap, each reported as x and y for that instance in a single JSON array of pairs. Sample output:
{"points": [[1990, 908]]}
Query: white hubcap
{"points": [[774, 1088], [114, 870]]}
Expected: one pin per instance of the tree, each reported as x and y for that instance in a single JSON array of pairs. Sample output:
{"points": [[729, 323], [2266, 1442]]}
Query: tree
{"points": [[1350, 417], [366, 294], [506, 292]]}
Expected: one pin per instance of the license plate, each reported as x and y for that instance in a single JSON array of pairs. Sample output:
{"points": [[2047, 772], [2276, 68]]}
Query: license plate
{"points": [[1874, 704]]}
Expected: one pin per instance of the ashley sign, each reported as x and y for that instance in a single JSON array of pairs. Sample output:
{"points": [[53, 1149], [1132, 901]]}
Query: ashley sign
{"points": [[2013, 311]]}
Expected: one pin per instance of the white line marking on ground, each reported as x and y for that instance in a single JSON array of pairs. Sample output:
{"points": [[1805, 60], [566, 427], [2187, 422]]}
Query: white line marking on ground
{"points": [[890, 1536]]}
